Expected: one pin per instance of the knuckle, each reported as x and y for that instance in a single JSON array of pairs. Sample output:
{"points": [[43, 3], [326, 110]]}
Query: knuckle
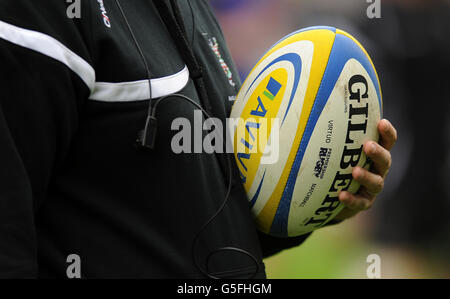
{"points": [[395, 137], [368, 205], [362, 174], [352, 205], [388, 160], [379, 185], [356, 206], [374, 149]]}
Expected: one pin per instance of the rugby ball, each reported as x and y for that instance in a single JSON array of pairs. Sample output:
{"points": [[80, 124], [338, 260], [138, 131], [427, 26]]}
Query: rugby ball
{"points": [[300, 121]]}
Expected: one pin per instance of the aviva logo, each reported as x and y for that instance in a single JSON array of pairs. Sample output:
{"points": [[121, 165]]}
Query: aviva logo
{"points": [[257, 121]]}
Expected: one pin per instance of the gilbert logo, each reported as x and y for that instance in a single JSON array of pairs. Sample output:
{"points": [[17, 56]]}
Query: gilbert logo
{"points": [[352, 154], [104, 14]]}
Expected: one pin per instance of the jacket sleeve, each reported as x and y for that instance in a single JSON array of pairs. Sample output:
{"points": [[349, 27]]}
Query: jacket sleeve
{"points": [[272, 245], [40, 95]]}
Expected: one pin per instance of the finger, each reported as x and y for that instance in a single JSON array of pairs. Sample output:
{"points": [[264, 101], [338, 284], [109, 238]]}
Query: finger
{"points": [[372, 182], [345, 214], [380, 156], [355, 202], [388, 134]]}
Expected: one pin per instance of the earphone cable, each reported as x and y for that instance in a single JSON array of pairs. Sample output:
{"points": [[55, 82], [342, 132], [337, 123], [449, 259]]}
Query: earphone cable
{"points": [[151, 114]]}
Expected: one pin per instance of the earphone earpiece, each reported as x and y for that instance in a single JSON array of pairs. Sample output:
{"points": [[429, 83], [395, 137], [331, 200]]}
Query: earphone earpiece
{"points": [[146, 137]]}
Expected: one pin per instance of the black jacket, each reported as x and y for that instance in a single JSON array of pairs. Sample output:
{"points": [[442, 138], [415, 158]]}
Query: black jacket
{"points": [[73, 96]]}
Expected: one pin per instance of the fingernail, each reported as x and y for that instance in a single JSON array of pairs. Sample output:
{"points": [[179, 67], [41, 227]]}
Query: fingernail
{"points": [[342, 196], [386, 125]]}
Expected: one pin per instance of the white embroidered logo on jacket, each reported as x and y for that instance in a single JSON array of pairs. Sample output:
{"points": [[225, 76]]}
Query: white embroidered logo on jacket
{"points": [[215, 47]]}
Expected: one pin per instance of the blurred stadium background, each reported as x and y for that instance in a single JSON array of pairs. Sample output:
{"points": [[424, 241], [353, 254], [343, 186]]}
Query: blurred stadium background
{"points": [[409, 227]]}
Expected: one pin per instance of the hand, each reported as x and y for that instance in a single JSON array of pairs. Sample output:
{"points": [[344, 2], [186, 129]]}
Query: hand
{"points": [[372, 181]]}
